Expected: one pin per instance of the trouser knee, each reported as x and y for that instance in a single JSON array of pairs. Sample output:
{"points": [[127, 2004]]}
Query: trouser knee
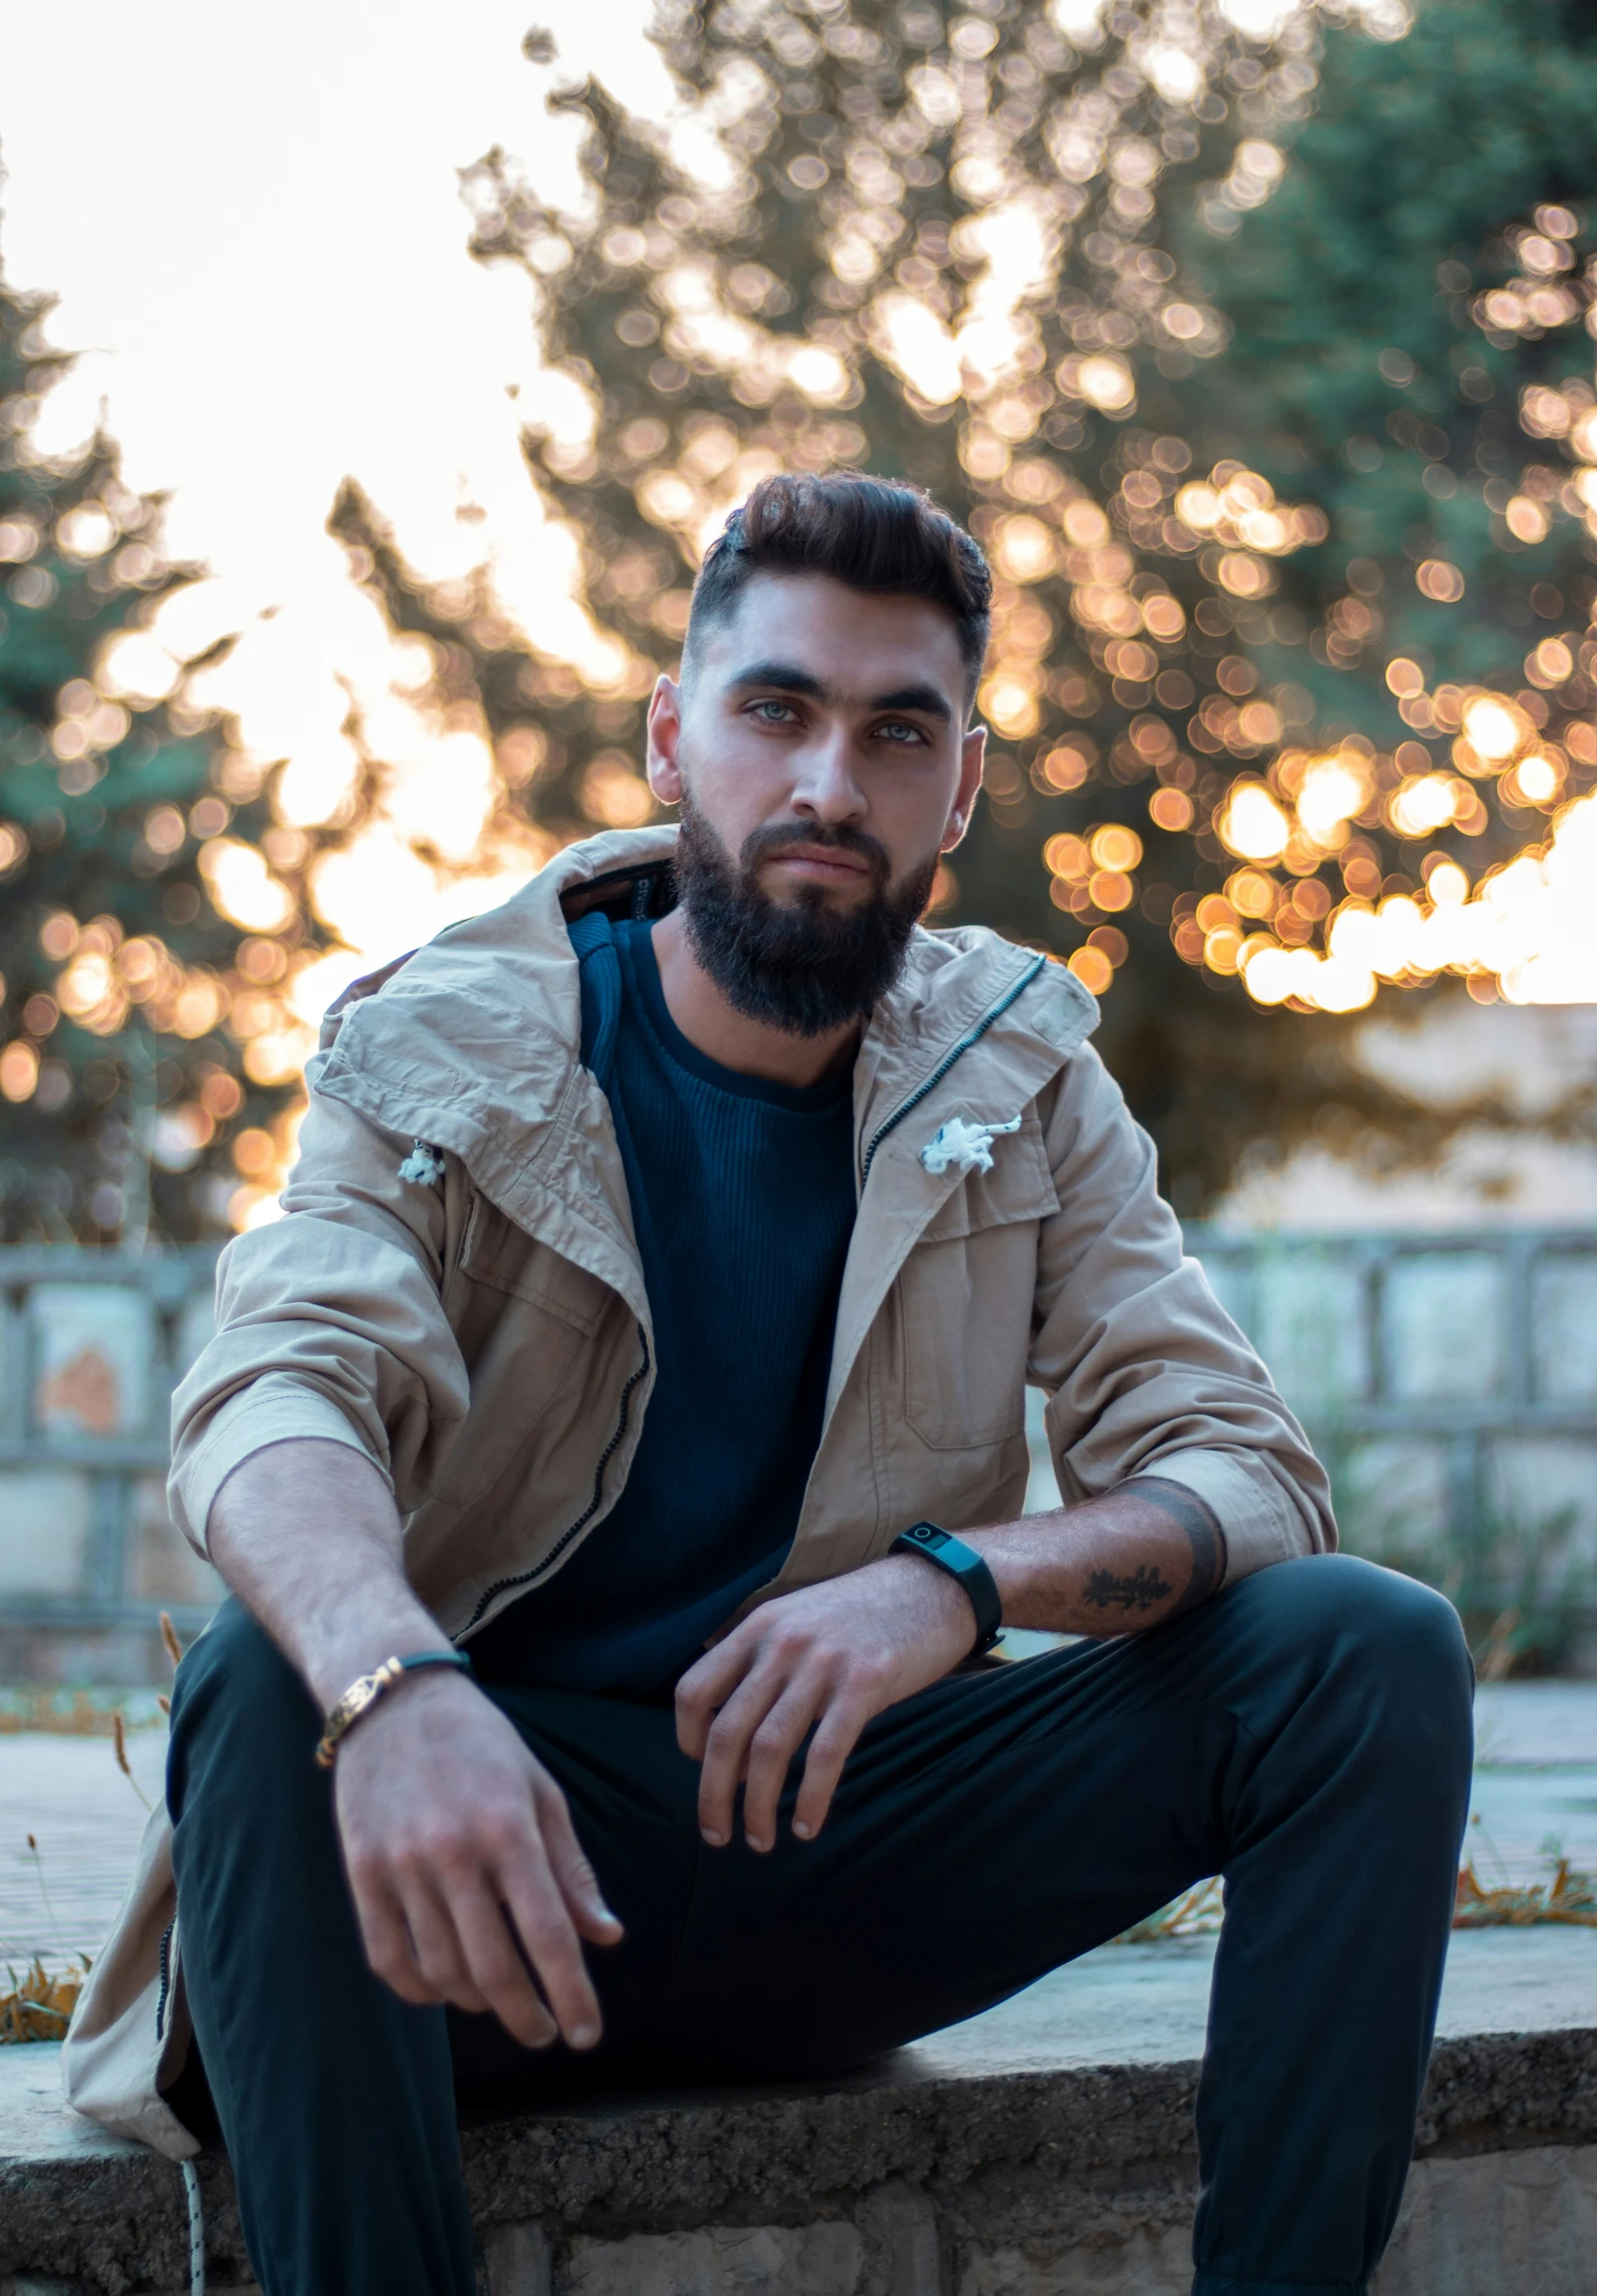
{"points": [[243, 1728], [1394, 1646]]}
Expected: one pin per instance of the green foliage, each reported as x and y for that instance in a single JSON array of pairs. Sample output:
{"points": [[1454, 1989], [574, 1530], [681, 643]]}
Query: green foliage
{"points": [[1359, 371], [123, 1089], [1142, 658]]}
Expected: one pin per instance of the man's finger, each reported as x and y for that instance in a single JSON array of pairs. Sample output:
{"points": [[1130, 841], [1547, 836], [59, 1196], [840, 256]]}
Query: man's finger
{"points": [[709, 1683], [439, 1956], [577, 1881], [535, 1905], [727, 1751], [385, 1938], [497, 1970], [771, 1752], [829, 1750]]}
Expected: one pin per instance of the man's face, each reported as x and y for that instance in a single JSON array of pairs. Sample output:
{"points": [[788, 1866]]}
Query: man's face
{"points": [[825, 724]]}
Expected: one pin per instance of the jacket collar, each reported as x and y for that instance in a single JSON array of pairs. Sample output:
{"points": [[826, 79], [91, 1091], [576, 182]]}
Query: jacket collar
{"points": [[473, 1042]]}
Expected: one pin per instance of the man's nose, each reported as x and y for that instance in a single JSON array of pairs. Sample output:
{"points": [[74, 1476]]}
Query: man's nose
{"points": [[827, 785]]}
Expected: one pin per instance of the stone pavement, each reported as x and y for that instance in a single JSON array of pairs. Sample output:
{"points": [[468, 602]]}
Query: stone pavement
{"points": [[86, 1818], [1531, 1724]]}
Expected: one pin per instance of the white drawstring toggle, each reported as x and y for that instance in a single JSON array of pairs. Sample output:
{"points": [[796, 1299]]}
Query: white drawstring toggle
{"points": [[423, 1165], [963, 1146]]}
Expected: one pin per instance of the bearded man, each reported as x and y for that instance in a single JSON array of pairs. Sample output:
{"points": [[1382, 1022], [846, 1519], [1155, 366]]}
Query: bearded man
{"points": [[617, 1457]]}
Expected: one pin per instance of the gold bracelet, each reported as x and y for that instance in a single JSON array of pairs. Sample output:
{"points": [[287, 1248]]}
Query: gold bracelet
{"points": [[364, 1691]]}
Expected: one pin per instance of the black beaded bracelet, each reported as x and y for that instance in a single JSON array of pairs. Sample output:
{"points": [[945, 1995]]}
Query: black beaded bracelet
{"points": [[964, 1563]]}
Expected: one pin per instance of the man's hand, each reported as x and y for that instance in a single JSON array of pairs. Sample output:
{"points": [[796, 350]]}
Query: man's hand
{"points": [[837, 1653], [467, 1878], [831, 1655]]}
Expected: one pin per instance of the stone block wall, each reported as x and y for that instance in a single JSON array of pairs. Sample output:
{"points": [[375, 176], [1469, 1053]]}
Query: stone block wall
{"points": [[1496, 2225], [91, 1345], [1450, 1381], [1450, 1384]]}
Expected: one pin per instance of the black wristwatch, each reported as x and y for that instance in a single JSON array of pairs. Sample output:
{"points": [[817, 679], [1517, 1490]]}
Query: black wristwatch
{"points": [[964, 1563]]}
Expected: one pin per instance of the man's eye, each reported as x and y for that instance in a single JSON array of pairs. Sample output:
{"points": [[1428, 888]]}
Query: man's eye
{"points": [[900, 729], [773, 713]]}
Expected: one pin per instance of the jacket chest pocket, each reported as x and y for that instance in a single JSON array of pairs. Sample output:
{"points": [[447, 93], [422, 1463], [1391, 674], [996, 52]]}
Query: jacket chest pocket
{"points": [[964, 1303], [498, 1261]]}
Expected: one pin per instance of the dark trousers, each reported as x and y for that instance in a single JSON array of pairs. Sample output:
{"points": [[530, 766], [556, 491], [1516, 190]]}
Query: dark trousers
{"points": [[1307, 1733]]}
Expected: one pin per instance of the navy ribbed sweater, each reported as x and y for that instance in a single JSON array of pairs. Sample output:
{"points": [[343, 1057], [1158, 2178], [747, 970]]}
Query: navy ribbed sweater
{"points": [[742, 1201]]}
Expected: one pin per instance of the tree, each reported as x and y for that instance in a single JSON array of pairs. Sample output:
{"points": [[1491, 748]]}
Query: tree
{"points": [[1062, 270], [1410, 315], [148, 1058]]}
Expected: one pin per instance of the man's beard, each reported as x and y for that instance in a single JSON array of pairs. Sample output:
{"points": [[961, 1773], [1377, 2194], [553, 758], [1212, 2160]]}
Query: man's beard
{"points": [[801, 966]]}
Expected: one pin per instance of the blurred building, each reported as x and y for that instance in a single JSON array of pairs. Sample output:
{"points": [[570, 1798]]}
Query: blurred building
{"points": [[1539, 1061]]}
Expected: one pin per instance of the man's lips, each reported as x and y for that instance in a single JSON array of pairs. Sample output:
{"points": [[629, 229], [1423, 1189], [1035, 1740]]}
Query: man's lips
{"points": [[821, 861]]}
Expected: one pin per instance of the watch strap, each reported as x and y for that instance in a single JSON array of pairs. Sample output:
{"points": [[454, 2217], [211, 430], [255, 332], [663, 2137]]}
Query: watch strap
{"points": [[947, 1552]]}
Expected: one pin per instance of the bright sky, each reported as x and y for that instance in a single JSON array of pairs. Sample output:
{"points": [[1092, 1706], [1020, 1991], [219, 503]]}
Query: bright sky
{"points": [[254, 227]]}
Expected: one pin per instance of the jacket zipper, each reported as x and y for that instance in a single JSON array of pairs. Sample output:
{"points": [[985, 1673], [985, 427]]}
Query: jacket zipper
{"points": [[907, 1107], [165, 1978], [524, 1577]]}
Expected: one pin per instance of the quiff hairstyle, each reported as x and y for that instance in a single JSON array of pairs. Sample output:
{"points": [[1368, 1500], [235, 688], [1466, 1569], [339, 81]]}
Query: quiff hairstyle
{"points": [[870, 534]]}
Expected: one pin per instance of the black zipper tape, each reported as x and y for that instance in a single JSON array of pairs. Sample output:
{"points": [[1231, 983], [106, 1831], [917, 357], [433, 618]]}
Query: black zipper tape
{"points": [[525, 1577], [166, 1978], [937, 1074]]}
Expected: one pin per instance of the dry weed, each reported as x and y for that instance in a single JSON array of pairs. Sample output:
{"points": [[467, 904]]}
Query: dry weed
{"points": [[39, 2007], [1566, 1896]]}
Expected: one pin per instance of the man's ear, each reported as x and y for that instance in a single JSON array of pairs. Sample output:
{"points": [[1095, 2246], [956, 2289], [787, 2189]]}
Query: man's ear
{"points": [[972, 753], [664, 736]]}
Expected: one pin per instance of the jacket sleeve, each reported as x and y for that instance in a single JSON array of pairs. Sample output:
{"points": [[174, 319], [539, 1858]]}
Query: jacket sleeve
{"points": [[1144, 1370], [330, 1323]]}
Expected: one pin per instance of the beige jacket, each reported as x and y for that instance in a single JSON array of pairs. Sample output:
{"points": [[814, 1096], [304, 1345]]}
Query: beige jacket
{"points": [[474, 1320]]}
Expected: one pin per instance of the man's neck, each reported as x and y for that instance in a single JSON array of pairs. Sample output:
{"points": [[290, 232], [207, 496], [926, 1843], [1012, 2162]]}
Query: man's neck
{"points": [[718, 1030]]}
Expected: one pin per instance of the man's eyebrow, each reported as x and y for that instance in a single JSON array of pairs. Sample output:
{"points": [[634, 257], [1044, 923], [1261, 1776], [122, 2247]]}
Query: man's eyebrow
{"points": [[788, 677], [924, 698], [786, 674]]}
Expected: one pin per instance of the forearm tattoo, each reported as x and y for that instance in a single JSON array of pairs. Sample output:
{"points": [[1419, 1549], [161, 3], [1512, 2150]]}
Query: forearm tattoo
{"points": [[1141, 1591], [1145, 1587]]}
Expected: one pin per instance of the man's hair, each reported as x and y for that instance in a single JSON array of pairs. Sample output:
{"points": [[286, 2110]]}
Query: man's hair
{"points": [[869, 534]]}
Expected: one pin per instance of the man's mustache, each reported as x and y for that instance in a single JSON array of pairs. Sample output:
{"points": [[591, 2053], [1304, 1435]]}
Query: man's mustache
{"points": [[842, 837]]}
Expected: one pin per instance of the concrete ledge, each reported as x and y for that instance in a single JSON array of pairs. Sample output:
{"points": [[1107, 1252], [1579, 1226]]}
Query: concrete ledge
{"points": [[1014, 2157]]}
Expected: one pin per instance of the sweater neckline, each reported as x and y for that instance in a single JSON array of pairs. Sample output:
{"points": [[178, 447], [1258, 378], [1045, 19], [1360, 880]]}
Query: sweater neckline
{"points": [[635, 946]]}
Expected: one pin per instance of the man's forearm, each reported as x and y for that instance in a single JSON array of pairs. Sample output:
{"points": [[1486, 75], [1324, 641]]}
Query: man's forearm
{"points": [[1115, 1565], [307, 1536]]}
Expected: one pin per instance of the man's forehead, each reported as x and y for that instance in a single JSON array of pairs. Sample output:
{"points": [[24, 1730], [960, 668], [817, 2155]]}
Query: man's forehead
{"points": [[849, 639]]}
